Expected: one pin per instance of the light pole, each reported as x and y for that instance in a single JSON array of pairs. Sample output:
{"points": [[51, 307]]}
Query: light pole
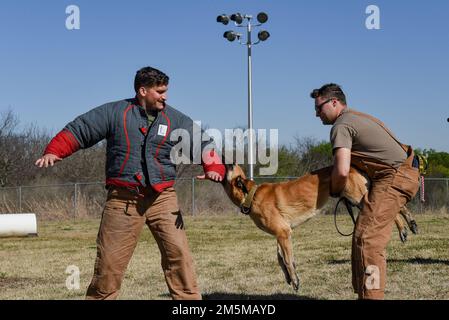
{"points": [[262, 36]]}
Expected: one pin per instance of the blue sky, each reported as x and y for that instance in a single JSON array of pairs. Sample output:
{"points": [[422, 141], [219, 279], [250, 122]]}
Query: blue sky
{"points": [[399, 73]]}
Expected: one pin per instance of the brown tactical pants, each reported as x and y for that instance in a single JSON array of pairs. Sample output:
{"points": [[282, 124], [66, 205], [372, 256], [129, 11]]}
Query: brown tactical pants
{"points": [[390, 190], [123, 218]]}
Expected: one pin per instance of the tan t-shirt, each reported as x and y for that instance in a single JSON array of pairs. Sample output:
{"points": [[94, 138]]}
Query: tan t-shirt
{"points": [[367, 137]]}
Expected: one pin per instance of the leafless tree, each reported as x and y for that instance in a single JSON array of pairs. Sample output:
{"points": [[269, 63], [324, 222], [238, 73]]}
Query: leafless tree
{"points": [[20, 147], [18, 150]]}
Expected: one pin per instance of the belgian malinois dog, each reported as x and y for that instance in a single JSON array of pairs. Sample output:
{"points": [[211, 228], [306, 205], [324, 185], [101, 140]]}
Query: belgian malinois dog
{"points": [[277, 208]]}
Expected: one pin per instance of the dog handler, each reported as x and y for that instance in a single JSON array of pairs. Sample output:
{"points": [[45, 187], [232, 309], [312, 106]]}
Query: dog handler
{"points": [[139, 177], [363, 141]]}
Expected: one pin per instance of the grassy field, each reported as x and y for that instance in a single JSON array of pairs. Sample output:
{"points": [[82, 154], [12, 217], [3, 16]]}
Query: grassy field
{"points": [[234, 260]]}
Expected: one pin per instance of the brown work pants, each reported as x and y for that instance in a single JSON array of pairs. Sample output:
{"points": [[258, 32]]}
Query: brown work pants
{"points": [[390, 190], [123, 218]]}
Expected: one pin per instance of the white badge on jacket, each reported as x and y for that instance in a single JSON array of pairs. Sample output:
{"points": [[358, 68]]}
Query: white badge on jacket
{"points": [[162, 131]]}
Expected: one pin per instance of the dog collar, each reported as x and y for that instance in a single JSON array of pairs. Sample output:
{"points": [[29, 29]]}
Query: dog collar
{"points": [[245, 208]]}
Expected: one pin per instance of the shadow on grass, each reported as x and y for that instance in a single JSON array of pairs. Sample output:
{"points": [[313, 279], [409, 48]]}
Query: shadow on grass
{"points": [[416, 260], [239, 296]]}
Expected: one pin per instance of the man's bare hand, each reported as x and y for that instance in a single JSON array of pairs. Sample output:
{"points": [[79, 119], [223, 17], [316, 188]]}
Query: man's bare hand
{"points": [[46, 160], [211, 175]]}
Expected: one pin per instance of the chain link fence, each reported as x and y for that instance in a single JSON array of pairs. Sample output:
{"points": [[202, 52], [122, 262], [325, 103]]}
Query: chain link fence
{"points": [[83, 200]]}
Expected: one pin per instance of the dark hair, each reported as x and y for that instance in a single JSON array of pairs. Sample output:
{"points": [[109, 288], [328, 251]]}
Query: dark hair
{"points": [[149, 77], [330, 90]]}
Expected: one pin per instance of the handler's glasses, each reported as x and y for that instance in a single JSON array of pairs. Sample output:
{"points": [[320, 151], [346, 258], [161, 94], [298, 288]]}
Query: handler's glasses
{"points": [[320, 106]]}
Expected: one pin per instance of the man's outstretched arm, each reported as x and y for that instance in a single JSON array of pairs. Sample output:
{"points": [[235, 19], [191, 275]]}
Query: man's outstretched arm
{"points": [[61, 146], [83, 132]]}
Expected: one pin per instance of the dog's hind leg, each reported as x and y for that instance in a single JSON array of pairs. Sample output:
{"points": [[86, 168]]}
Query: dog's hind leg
{"points": [[286, 251], [283, 266], [401, 227], [409, 218]]}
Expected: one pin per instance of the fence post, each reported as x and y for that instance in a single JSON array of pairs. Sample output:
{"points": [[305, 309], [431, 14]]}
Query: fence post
{"points": [[447, 188], [419, 195], [20, 199], [75, 200], [193, 196]]}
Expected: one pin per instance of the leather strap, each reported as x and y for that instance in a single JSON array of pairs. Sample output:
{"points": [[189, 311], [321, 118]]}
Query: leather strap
{"points": [[246, 206]]}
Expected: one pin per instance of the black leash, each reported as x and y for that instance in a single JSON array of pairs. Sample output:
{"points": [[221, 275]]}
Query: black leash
{"points": [[351, 213]]}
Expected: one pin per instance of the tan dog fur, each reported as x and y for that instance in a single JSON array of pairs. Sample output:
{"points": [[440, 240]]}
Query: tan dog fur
{"points": [[277, 208]]}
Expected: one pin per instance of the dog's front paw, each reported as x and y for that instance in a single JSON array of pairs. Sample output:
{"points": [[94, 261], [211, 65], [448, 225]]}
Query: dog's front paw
{"points": [[295, 283], [403, 235]]}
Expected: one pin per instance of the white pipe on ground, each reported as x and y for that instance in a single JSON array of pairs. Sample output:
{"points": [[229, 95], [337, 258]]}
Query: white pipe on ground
{"points": [[18, 225]]}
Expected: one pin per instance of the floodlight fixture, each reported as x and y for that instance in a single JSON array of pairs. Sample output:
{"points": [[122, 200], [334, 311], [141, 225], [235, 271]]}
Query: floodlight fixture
{"points": [[237, 18], [263, 35], [262, 17], [231, 35], [223, 19]]}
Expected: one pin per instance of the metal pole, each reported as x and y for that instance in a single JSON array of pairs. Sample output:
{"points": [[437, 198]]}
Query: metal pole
{"points": [[20, 199], [250, 107], [447, 188], [193, 196], [75, 200]]}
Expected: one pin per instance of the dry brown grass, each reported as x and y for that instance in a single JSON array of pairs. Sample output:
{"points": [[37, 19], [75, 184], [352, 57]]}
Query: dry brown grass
{"points": [[234, 260], [50, 207]]}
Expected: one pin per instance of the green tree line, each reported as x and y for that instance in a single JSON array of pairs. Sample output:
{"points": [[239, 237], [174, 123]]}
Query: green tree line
{"points": [[438, 162]]}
